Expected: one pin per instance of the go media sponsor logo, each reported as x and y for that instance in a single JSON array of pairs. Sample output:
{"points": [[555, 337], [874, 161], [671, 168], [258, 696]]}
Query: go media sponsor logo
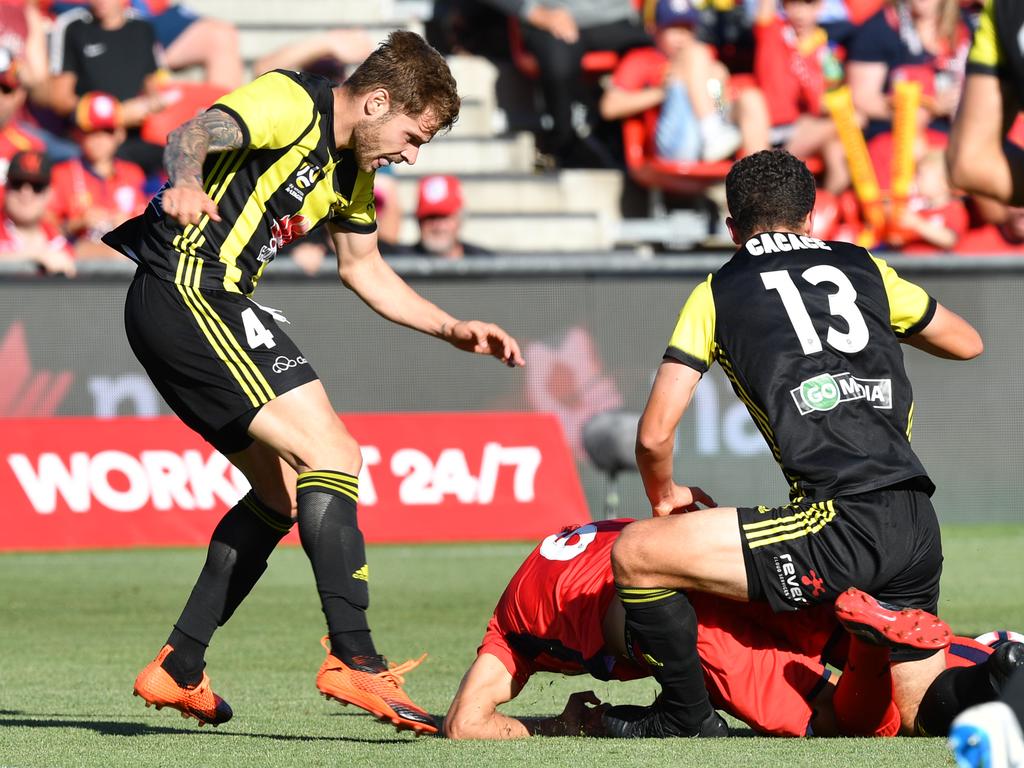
{"points": [[191, 479], [825, 392]]}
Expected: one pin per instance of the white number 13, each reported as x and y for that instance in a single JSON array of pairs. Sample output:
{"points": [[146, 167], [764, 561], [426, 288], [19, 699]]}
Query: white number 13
{"points": [[842, 303]]}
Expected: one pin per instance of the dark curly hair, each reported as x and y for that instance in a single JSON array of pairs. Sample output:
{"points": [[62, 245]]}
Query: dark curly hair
{"points": [[767, 190], [414, 74]]}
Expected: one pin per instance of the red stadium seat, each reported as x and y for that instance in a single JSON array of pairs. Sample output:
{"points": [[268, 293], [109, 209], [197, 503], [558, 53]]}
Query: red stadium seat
{"points": [[681, 178], [652, 172]]}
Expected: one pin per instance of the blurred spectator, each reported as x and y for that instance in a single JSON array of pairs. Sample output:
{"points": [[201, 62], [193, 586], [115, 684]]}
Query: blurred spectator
{"points": [[95, 193], [997, 228], [558, 33], [933, 215], [188, 39], [327, 54], [25, 235], [14, 136], [439, 213], [105, 50], [686, 92], [922, 40], [23, 34], [468, 27], [795, 63]]}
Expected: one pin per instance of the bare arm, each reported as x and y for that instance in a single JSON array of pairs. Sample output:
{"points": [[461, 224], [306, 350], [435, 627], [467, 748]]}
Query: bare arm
{"points": [[619, 103], [474, 715], [867, 86], [766, 11], [948, 335], [59, 95], [346, 46], [363, 270], [980, 160], [187, 148], [188, 145], [670, 396]]}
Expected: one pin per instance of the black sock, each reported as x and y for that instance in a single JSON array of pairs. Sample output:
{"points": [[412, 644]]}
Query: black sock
{"points": [[953, 691], [334, 544], [236, 558], [664, 626], [1013, 695]]}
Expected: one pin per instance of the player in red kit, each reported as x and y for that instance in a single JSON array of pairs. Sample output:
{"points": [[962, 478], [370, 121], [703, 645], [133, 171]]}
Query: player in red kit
{"points": [[559, 613]]}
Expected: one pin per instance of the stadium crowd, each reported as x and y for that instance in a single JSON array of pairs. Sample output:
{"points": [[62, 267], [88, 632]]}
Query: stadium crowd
{"points": [[863, 90]]}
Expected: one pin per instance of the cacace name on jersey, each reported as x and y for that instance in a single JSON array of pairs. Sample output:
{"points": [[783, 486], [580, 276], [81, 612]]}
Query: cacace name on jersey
{"points": [[808, 334]]}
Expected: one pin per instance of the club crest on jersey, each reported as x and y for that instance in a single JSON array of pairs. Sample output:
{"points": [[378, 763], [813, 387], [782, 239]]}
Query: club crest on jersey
{"points": [[305, 179], [826, 391], [282, 232]]}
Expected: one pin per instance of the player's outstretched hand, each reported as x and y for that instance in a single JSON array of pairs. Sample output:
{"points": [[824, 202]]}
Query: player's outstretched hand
{"points": [[582, 714], [485, 339], [187, 205], [682, 499]]}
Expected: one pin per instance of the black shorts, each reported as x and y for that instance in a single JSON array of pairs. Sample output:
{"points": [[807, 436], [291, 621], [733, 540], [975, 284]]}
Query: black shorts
{"points": [[884, 542], [215, 357]]}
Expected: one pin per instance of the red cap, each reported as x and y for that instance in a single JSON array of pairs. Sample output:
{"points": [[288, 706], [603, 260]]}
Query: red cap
{"points": [[97, 111], [439, 196]]}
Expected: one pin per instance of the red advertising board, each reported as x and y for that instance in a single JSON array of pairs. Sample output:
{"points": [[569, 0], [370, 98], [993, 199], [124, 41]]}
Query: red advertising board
{"points": [[71, 483]]}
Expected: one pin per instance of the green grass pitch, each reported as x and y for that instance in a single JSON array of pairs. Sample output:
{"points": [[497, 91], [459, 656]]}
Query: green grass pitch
{"points": [[75, 628]]}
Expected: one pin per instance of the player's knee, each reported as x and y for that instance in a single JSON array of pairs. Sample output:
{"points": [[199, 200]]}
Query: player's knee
{"points": [[335, 449], [457, 725], [627, 556]]}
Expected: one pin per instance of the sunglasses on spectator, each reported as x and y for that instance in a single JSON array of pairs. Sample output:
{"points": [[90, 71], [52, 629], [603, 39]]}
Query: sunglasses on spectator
{"points": [[37, 186]]}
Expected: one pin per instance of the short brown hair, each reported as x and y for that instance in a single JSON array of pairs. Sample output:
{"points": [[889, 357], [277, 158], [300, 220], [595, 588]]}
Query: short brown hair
{"points": [[414, 74], [769, 189]]}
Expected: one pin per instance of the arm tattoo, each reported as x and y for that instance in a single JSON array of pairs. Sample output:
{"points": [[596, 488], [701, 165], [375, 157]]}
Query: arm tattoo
{"points": [[187, 147]]}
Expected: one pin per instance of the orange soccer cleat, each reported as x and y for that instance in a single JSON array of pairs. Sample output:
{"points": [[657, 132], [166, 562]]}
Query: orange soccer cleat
{"points": [[879, 623], [376, 687], [158, 688]]}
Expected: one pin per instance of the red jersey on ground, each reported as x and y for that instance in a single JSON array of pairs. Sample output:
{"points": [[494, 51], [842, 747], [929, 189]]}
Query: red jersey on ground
{"points": [[759, 666], [77, 189], [550, 620]]}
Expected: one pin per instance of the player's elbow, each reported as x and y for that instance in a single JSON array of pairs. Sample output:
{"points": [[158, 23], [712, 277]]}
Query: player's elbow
{"points": [[972, 347], [959, 169], [651, 439]]}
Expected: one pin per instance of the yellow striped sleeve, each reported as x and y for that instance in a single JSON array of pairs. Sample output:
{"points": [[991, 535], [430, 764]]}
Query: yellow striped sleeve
{"points": [[910, 306], [694, 335], [273, 110], [986, 53], [359, 214]]}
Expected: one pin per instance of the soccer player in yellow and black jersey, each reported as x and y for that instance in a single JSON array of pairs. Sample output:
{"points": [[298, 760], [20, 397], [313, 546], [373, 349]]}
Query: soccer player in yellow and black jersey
{"points": [[981, 161], [808, 332], [265, 165]]}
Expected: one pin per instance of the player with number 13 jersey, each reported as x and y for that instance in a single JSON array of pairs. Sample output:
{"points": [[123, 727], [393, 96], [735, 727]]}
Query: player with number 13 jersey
{"points": [[808, 333]]}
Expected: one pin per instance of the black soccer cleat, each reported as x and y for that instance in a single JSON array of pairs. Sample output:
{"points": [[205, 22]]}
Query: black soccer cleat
{"points": [[1006, 659], [631, 721]]}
